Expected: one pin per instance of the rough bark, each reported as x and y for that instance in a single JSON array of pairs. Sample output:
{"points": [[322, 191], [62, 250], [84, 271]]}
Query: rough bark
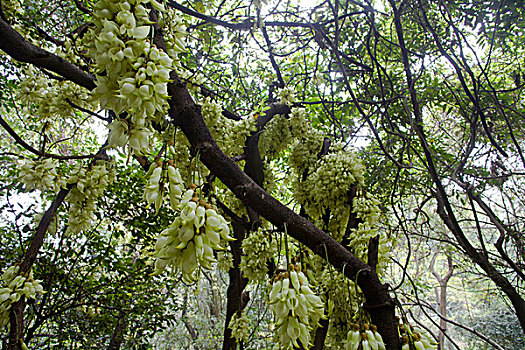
{"points": [[118, 334], [236, 286]]}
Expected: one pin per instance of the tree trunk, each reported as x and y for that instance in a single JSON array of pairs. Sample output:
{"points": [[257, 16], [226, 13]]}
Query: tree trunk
{"points": [[441, 297], [235, 287], [118, 334]]}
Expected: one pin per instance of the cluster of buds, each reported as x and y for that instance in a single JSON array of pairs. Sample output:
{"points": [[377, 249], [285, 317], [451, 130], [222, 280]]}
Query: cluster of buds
{"points": [[257, 250], [295, 306], [154, 191], [190, 240], [286, 95], [14, 287], [90, 183], [39, 174], [415, 339], [133, 73], [365, 338], [240, 326]]}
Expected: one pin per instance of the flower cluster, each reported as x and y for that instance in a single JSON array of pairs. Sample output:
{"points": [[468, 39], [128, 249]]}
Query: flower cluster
{"points": [[366, 207], [415, 339], [286, 95], [154, 191], [189, 241], [295, 306], [89, 184], [364, 338], [13, 287], [307, 145], [240, 326], [343, 298], [258, 250], [38, 174], [224, 260], [329, 183], [132, 73], [48, 97], [13, 7], [229, 134], [276, 136]]}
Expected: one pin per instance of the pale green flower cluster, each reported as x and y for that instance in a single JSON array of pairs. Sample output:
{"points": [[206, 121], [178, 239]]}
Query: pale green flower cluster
{"points": [[13, 287], [12, 7], [189, 241], [257, 250], [275, 137], [48, 97], [154, 191], [328, 184], [339, 294], [307, 145], [38, 174], [286, 96], [366, 207], [415, 338], [224, 260], [70, 51], [240, 326], [364, 339], [296, 308], [89, 184], [229, 134], [132, 73]]}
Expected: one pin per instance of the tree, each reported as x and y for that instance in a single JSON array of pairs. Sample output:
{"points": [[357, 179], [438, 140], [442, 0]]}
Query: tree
{"points": [[215, 100]]}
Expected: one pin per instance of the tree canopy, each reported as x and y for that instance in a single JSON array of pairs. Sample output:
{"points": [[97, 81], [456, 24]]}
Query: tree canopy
{"points": [[262, 174]]}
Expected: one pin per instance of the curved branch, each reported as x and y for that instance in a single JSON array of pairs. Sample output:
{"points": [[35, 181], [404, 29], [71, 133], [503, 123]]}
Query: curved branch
{"points": [[31, 149], [12, 43]]}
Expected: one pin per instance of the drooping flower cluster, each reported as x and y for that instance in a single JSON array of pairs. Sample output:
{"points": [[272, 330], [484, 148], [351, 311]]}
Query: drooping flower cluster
{"points": [[224, 260], [240, 326], [286, 95], [364, 338], [89, 184], [277, 136], [13, 287], [307, 145], [189, 241], [340, 294], [154, 191], [328, 185], [38, 174], [413, 338], [229, 134], [295, 306], [132, 73], [258, 250], [47, 97], [366, 208]]}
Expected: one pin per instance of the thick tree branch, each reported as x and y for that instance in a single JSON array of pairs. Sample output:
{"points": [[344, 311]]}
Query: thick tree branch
{"points": [[12, 43]]}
